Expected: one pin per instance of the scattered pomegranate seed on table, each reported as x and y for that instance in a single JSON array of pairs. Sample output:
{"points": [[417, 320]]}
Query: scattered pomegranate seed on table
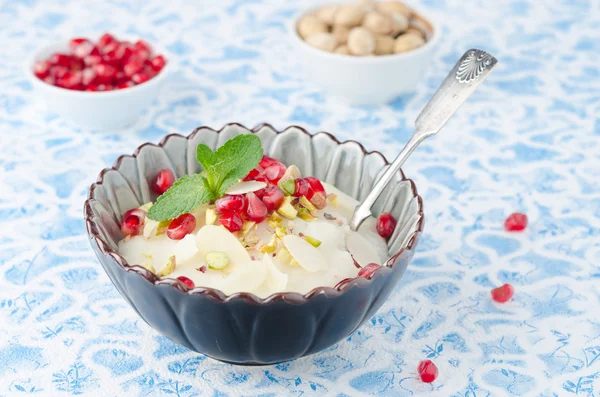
{"points": [[188, 282], [181, 226], [503, 294], [106, 65], [163, 181], [427, 371], [515, 222], [386, 224]]}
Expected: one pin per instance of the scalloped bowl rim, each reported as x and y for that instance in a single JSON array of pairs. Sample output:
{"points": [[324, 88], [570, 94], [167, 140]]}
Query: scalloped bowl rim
{"points": [[218, 295]]}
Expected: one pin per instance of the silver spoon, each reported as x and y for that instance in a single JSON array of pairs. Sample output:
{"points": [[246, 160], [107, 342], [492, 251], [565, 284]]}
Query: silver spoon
{"points": [[470, 70]]}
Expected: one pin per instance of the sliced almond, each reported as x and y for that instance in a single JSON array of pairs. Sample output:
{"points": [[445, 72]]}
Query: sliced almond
{"points": [[168, 268], [246, 278], [185, 249], [361, 250], [217, 238], [308, 257], [276, 281], [246, 187]]}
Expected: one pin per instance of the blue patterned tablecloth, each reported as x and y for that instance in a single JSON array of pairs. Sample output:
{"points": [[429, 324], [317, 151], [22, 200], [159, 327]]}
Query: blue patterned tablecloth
{"points": [[529, 141]]}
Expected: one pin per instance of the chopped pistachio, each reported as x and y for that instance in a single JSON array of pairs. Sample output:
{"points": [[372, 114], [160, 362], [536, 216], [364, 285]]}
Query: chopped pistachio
{"points": [[271, 247], [280, 231], [168, 268], [287, 210], [146, 206], [148, 256], [305, 215], [211, 216], [216, 260], [307, 204], [288, 187], [332, 199], [149, 266], [313, 241], [284, 256], [274, 220], [153, 228], [250, 239], [291, 173], [247, 226]]}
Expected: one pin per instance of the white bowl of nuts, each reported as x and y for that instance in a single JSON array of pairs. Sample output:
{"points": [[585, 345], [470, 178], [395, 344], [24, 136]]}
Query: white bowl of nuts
{"points": [[365, 53]]}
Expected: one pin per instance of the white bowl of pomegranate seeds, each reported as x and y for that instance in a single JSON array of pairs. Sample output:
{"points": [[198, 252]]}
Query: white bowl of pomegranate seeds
{"points": [[99, 84], [367, 52]]}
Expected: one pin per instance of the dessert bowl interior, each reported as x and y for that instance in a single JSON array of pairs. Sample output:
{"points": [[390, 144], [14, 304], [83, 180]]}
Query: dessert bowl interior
{"points": [[243, 328]]}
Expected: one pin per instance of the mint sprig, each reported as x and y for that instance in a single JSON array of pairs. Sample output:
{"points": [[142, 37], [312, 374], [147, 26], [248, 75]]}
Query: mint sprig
{"points": [[232, 161], [224, 167]]}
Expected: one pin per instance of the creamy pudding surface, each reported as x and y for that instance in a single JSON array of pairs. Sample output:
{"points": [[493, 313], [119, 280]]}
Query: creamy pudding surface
{"points": [[270, 231]]}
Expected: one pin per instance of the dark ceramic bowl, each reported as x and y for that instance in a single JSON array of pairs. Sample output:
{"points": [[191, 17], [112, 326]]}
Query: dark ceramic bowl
{"points": [[243, 328]]}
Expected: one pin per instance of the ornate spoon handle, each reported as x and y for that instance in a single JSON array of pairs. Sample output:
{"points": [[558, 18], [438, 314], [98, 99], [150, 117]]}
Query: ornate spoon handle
{"points": [[470, 70]]}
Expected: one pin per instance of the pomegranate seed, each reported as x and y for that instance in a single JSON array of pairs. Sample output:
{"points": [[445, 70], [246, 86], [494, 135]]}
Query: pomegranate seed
{"points": [[41, 69], [58, 71], [368, 270], [71, 81], [256, 174], [119, 55], [188, 282], [100, 87], [158, 62], [257, 210], [515, 222], [232, 221], [105, 40], [133, 222], [104, 73], [163, 181], [60, 60], [76, 64], [140, 78], [181, 226], [49, 80], [149, 71], [125, 84], [300, 187], [81, 47], [503, 294], [231, 203], [135, 211], [91, 60], [267, 161], [271, 196], [132, 66], [427, 371], [87, 76], [386, 225], [275, 172], [142, 49], [316, 192]]}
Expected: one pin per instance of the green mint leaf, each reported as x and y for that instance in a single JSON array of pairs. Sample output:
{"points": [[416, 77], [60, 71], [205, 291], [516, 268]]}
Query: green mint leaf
{"points": [[230, 162], [186, 194]]}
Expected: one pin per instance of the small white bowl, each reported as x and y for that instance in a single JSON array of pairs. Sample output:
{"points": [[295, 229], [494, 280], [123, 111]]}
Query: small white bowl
{"points": [[371, 80], [99, 109]]}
